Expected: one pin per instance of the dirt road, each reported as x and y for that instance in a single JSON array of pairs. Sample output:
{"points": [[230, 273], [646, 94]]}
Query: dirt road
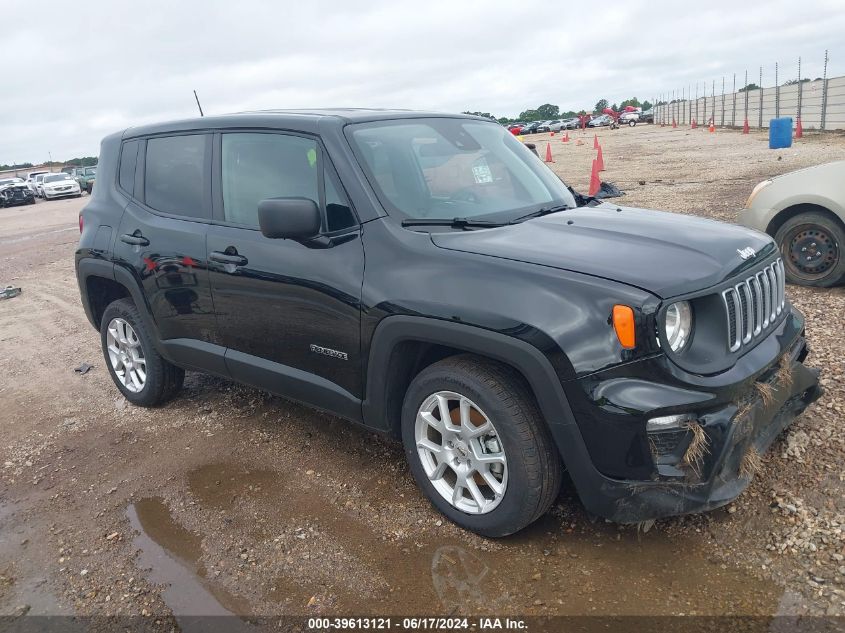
{"points": [[229, 500]]}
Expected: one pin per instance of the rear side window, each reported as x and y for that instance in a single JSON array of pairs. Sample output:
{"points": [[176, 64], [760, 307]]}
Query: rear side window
{"points": [[259, 166], [128, 160], [175, 176]]}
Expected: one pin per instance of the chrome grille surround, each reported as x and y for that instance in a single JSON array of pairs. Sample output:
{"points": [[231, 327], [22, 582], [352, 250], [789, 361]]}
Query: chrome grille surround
{"points": [[754, 304]]}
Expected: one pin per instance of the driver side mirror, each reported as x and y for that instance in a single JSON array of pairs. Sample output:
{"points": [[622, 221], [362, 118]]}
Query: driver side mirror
{"points": [[289, 218]]}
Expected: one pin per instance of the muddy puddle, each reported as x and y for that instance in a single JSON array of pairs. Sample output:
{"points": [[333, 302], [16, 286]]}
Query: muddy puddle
{"points": [[24, 589], [303, 551], [171, 556]]}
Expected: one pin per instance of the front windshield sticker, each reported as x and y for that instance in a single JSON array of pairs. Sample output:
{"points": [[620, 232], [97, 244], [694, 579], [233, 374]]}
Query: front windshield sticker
{"points": [[481, 172]]}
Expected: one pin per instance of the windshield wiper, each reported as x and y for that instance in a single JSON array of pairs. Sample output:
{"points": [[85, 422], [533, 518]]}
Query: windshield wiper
{"points": [[540, 213], [456, 223]]}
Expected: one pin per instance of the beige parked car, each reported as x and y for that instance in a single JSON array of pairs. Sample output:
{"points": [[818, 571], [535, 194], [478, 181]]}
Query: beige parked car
{"points": [[805, 212]]}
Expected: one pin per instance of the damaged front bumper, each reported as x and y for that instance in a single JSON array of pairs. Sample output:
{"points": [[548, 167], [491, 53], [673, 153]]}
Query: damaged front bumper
{"points": [[735, 434]]}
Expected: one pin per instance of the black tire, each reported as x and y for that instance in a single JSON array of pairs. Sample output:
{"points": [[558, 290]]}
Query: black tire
{"points": [[825, 236], [534, 466], [631, 123], [164, 380]]}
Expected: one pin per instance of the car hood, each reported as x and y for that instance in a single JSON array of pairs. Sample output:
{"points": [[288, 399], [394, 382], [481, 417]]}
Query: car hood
{"points": [[667, 254], [58, 183]]}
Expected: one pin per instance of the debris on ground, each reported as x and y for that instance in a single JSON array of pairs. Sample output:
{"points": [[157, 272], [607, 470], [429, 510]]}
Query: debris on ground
{"points": [[608, 190], [9, 291], [84, 368]]}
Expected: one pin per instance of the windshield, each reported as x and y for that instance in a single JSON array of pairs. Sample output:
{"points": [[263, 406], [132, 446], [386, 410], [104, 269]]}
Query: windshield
{"points": [[442, 168], [57, 177], [90, 171]]}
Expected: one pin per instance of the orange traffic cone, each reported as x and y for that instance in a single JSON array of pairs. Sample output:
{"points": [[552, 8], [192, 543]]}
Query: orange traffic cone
{"points": [[745, 127], [552, 133], [600, 160], [595, 181], [565, 137], [694, 124], [595, 141], [549, 158], [799, 129], [712, 127], [674, 123]]}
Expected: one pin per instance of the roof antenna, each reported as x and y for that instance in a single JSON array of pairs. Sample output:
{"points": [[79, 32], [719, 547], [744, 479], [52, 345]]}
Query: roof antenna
{"points": [[198, 102]]}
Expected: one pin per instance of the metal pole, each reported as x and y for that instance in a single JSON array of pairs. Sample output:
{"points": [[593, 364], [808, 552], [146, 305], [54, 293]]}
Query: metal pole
{"points": [[824, 94], [723, 102], [696, 100], [777, 93], [684, 106], [713, 102], [745, 89], [704, 99], [800, 89], [733, 105], [760, 120]]}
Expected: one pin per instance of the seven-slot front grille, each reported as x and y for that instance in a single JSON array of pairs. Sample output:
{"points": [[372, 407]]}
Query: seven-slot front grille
{"points": [[754, 304]]}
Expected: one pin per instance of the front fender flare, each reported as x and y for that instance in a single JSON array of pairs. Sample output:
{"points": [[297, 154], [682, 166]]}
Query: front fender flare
{"points": [[522, 356]]}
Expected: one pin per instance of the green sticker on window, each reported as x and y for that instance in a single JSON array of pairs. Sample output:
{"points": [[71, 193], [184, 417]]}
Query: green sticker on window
{"points": [[312, 157]]}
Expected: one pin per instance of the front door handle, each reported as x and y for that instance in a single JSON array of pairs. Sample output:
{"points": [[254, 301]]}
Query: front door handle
{"points": [[135, 239], [228, 258]]}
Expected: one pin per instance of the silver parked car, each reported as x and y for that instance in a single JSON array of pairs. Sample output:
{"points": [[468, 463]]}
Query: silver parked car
{"points": [[805, 212]]}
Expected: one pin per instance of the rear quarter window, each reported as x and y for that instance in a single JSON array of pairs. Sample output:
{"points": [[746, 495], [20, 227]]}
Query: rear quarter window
{"points": [[128, 161]]}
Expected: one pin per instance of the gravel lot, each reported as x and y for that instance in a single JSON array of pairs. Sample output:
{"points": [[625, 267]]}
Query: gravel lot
{"points": [[231, 500]]}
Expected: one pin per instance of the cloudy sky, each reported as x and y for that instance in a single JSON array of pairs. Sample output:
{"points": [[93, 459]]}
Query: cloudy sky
{"points": [[77, 71]]}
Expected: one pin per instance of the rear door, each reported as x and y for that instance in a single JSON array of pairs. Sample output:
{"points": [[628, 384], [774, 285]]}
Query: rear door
{"points": [[288, 312], [161, 238]]}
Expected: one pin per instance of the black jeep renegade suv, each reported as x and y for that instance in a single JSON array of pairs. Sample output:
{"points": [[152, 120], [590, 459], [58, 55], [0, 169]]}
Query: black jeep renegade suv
{"points": [[427, 276]]}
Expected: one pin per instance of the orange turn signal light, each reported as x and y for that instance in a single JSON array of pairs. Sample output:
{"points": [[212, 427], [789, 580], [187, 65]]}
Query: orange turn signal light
{"points": [[623, 323]]}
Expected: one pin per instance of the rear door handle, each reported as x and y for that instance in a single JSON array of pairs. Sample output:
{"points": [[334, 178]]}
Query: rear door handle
{"points": [[226, 258], [135, 239]]}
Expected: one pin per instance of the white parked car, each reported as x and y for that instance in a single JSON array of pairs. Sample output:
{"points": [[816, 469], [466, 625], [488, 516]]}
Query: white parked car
{"points": [[629, 118], [39, 179], [30, 180], [804, 211], [59, 185]]}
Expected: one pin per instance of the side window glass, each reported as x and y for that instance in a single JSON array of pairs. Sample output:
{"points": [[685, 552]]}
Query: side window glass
{"points": [[338, 213], [128, 160], [175, 176], [258, 166]]}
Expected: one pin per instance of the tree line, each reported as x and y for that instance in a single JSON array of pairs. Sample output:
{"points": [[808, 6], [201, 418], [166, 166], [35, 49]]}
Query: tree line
{"points": [[82, 161], [550, 112]]}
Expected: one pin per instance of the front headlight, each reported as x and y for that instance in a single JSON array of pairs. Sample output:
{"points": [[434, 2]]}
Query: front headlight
{"points": [[755, 191], [678, 325]]}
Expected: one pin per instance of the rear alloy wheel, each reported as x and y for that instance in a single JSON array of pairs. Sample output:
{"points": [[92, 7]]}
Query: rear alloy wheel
{"points": [[477, 445], [126, 355], [136, 367], [811, 244]]}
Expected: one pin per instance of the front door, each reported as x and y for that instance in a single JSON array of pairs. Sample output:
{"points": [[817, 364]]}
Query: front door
{"points": [[289, 313]]}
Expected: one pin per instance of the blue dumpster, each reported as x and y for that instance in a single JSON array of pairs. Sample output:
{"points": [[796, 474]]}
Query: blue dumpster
{"points": [[780, 132]]}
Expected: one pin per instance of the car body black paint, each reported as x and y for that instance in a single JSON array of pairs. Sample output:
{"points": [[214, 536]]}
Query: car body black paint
{"points": [[536, 295]]}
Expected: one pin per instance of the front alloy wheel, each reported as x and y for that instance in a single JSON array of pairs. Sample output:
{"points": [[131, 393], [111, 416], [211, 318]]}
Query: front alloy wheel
{"points": [[126, 355], [461, 452], [477, 445]]}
